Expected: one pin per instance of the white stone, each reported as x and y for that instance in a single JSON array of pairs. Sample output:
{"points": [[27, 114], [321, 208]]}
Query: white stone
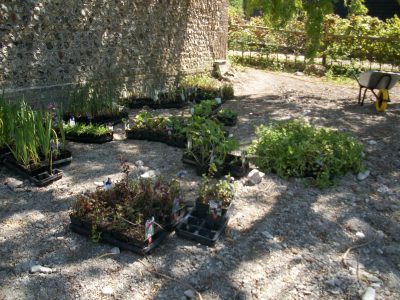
{"points": [[107, 290], [150, 174], [363, 175], [40, 269], [369, 294], [13, 183], [372, 142], [360, 234], [267, 235], [139, 163], [115, 250], [255, 176], [189, 294]]}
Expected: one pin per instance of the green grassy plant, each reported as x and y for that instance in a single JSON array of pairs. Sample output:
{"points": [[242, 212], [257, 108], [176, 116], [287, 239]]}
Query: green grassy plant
{"points": [[294, 148]]}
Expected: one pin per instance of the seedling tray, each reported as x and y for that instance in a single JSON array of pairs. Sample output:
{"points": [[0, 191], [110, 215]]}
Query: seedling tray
{"points": [[228, 121], [202, 230], [99, 120], [119, 240], [162, 138], [45, 178], [233, 165], [40, 177], [90, 139]]}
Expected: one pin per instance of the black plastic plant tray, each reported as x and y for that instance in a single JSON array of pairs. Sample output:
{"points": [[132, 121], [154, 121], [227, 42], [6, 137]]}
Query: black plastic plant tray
{"points": [[119, 240], [148, 136], [202, 230], [40, 177], [45, 178], [90, 139], [228, 121], [13, 165], [235, 166], [64, 158], [100, 119]]}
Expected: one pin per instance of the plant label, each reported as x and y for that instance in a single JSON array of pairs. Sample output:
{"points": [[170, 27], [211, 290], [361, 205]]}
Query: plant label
{"points": [[215, 209], [175, 208], [107, 184], [72, 122], [218, 99], [149, 230]]}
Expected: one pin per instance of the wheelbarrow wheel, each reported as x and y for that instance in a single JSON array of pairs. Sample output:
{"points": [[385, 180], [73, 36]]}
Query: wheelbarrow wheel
{"points": [[382, 101]]}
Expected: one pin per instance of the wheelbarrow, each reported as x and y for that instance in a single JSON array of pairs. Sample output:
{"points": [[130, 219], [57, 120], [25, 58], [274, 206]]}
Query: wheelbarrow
{"points": [[377, 80]]}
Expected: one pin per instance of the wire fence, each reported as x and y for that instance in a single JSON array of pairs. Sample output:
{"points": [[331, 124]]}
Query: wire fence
{"points": [[270, 46]]}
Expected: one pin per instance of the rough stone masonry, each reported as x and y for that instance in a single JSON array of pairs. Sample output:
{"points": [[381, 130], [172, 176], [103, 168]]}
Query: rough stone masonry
{"points": [[47, 46]]}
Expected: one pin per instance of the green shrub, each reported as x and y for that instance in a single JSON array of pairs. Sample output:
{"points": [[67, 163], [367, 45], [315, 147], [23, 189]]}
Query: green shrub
{"points": [[294, 148]]}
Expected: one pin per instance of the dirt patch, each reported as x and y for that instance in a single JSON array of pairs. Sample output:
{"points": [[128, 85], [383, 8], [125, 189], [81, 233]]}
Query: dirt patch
{"points": [[284, 240]]}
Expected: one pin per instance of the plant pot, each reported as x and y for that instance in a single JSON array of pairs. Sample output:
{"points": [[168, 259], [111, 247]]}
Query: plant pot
{"points": [[45, 178], [30, 170], [63, 158], [115, 238], [40, 175], [197, 229], [227, 121], [235, 166], [202, 169], [90, 139]]}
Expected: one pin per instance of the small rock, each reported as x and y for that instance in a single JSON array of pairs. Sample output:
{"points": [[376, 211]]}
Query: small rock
{"points": [[372, 142], [299, 73], [181, 174], [369, 294], [139, 163], [107, 290], [267, 235], [144, 169], [150, 174], [189, 294], [13, 183], [360, 235], [363, 175], [383, 189], [115, 250], [255, 177], [333, 282], [40, 269]]}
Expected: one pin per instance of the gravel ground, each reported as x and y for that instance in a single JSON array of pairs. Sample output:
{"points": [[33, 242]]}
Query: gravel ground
{"points": [[284, 240]]}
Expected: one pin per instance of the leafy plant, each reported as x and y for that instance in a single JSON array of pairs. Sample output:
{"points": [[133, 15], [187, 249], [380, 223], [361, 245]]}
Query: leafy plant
{"points": [[222, 190], [126, 206], [205, 108], [226, 114], [83, 129], [294, 148], [207, 143]]}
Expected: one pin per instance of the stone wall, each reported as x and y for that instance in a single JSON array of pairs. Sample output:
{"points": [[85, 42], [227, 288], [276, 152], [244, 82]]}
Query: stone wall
{"points": [[46, 46]]}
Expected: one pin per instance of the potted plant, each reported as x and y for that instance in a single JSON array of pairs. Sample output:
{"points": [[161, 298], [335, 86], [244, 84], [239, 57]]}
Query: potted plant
{"points": [[207, 146], [91, 133], [227, 117], [207, 221], [31, 145]]}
